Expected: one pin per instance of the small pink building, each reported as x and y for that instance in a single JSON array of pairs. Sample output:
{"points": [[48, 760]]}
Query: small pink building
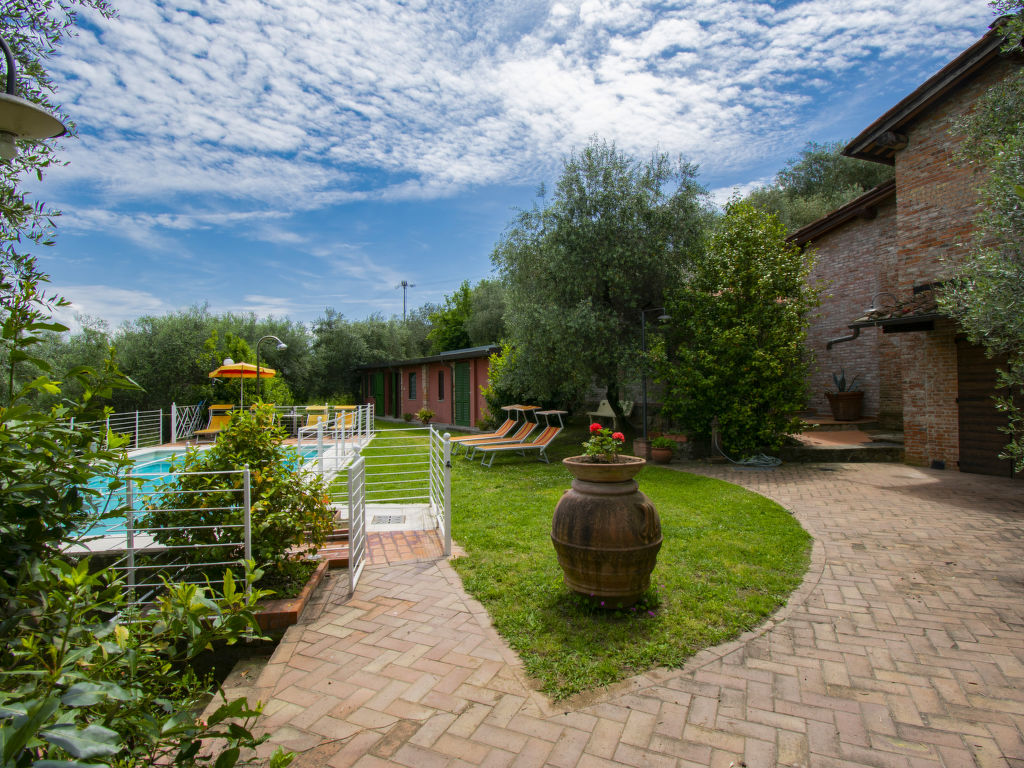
{"points": [[449, 384]]}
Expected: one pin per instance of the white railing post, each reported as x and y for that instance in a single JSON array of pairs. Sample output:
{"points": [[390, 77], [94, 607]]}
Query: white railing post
{"points": [[136, 428], [129, 524], [447, 494], [106, 438], [247, 521], [320, 446]]}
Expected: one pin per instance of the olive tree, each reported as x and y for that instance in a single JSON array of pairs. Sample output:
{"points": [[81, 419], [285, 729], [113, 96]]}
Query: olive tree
{"points": [[816, 182], [580, 269]]}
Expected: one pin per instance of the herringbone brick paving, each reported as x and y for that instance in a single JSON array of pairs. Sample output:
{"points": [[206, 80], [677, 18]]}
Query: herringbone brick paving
{"points": [[903, 648]]}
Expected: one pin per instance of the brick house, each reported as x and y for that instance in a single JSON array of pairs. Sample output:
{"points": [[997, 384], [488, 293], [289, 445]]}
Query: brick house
{"points": [[448, 384], [886, 250]]}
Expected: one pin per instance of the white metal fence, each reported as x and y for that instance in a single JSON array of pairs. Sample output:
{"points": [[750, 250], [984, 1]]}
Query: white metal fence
{"points": [[441, 485], [356, 496], [145, 554], [143, 428]]}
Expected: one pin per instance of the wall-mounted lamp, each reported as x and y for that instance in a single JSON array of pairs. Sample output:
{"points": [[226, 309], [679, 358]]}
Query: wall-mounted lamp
{"points": [[21, 119], [874, 302]]}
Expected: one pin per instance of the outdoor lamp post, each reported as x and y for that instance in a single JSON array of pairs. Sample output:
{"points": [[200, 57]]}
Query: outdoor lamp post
{"points": [[280, 345], [21, 119], [643, 349]]}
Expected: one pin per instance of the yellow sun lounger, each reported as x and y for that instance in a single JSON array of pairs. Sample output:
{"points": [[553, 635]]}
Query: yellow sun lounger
{"points": [[315, 416], [539, 443], [219, 417]]}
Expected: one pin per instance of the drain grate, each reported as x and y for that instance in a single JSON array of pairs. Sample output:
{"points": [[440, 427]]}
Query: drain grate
{"points": [[388, 520]]}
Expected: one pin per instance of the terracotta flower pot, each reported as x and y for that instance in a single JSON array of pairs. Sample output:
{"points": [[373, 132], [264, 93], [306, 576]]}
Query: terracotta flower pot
{"points": [[661, 455], [606, 533]]}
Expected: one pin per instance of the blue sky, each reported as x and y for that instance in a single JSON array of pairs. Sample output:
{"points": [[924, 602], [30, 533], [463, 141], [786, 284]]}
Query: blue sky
{"points": [[283, 157]]}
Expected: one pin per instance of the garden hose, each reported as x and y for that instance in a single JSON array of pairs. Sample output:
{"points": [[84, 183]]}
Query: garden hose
{"points": [[761, 461]]}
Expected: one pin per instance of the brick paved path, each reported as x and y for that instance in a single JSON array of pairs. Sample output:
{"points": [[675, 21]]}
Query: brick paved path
{"points": [[903, 647]]}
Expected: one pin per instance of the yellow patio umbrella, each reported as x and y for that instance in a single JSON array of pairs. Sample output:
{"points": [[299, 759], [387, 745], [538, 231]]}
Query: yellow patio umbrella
{"points": [[232, 370]]}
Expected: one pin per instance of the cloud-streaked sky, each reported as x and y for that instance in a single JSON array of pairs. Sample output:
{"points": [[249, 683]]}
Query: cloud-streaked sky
{"points": [[282, 156]]}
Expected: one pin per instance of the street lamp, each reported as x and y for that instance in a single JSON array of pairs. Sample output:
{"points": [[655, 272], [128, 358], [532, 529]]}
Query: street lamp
{"points": [[21, 119], [643, 349], [281, 346]]}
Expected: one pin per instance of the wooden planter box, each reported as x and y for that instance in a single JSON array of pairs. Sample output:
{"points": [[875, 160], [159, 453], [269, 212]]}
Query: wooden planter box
{"points": [[846, 406], [279, 614]]}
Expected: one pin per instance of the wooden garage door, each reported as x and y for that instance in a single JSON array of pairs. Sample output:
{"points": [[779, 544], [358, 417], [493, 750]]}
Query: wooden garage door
{"points": [[981, 442]]}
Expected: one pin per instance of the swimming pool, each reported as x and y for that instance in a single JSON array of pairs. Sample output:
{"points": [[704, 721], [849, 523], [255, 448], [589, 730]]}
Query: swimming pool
{"points": [[150, 469]]}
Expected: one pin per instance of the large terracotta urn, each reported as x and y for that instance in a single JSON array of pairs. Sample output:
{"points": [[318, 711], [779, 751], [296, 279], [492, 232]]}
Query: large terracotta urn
{"points": [[606, 532]]}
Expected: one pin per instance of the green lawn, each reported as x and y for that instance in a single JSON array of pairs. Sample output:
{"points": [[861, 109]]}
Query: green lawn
{"points": [[730, 559]]}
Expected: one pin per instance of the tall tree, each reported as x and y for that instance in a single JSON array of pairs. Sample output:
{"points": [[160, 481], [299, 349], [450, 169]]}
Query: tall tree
{"points": [[735, 347], [579, 271], [986, 292], [817, 182], [338, 348], [486, 323], [449, 321]]}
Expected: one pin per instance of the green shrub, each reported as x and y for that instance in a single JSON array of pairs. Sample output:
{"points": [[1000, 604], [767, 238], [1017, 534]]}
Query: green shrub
{"points": [[90, 680], [289, 507], [663, 442], [407, 416], [87, 679], [735, 348], [424, 415]]}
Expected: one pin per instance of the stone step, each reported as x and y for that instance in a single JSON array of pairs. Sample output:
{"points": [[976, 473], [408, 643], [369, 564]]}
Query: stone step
{"points": [[875, 452], [828, 424]]}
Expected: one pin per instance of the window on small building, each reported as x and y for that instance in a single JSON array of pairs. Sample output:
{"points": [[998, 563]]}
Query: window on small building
{"points": [[412, 386], [440, 385]]}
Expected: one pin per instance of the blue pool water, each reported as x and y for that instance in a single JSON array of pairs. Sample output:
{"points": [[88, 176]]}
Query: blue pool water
{"points": [[152, 469]]}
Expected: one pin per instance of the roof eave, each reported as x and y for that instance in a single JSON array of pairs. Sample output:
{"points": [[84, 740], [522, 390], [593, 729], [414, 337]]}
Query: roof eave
{"points": [[862, 207], [880, 141]]}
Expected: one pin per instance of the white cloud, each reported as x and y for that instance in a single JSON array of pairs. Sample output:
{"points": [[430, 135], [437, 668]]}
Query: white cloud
{"points": [[114, 305], [284, 106], [721, 195]]}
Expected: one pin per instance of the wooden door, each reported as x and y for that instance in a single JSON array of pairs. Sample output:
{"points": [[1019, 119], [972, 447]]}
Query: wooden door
{"points": [[981, 442], [378, 393], [460, 396]]}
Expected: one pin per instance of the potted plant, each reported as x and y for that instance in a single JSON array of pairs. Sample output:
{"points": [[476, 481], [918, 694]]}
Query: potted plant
{"points": [[662, 449], [424, 415], [605, 532], [847, 402]]}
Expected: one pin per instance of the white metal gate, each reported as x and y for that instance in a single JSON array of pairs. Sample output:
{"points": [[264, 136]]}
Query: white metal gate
{"points": [[441, 485], [356, 521]]}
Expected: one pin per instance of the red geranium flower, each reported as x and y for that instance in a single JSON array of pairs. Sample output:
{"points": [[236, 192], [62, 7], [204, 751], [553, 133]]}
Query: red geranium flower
{"points": [[618, 436], [595, 427]]}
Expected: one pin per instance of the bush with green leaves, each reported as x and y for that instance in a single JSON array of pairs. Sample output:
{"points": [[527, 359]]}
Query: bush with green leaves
{"points": [[86, 680], [735, 347], [289, 506], [90, 680]]}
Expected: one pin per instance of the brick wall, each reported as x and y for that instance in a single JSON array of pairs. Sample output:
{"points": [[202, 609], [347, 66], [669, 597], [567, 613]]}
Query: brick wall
{"points": [[854, 262], [930, 414], [910, 379], [936, 205]]}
